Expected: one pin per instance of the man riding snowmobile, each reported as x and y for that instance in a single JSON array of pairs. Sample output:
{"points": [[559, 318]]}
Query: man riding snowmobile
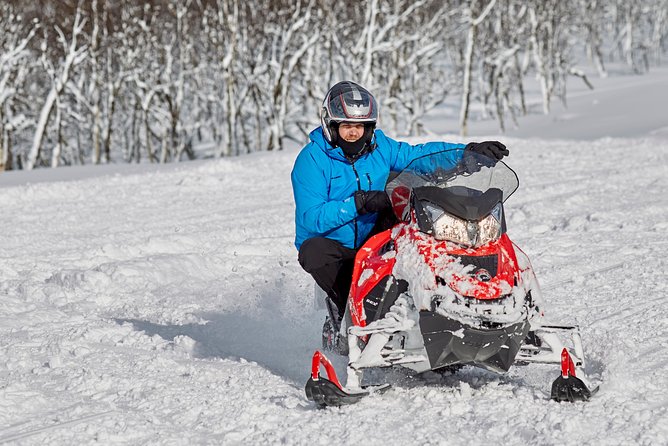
{"points": [[338, 183]]}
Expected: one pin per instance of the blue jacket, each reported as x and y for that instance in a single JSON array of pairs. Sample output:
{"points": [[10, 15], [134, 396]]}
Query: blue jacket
{"points": [[324, 183]]}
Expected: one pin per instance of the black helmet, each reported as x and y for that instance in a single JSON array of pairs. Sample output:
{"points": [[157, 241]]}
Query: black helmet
{"points": [[349, 102]]}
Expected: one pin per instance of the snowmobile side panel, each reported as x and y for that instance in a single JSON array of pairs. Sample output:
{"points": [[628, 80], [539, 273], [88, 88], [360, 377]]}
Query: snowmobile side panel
{"points": [[450, 342], [381, 297], [371, 266]]}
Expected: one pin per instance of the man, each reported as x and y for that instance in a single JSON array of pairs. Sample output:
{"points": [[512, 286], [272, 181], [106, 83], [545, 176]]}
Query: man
{"points": [[338, 182]]}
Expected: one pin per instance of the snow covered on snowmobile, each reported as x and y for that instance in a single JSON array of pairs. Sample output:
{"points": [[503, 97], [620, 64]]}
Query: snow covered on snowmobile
{"points": [[446, 287]]}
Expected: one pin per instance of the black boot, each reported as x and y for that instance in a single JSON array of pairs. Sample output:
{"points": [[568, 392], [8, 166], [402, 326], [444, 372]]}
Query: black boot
{"points": [[332, 339]]}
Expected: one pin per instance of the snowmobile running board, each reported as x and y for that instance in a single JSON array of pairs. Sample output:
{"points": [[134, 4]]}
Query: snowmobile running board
{"points": [[328, 391], [568, 387]]}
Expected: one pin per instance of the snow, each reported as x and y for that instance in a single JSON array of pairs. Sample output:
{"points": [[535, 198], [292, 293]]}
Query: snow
{"points": [[623, 105], [165, 305]]}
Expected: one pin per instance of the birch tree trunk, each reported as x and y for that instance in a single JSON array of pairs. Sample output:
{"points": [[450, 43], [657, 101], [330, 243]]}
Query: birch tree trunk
{"points": [[58, 148], [468, 61], [14, 58], [94, 92], [466, 82], [370, 30], [539, 61], [5, 151], [231, 12], [73, 56], [292, 48]]}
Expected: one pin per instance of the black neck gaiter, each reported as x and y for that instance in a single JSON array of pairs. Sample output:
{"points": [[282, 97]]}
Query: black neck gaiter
{"points": [[354, 150]]}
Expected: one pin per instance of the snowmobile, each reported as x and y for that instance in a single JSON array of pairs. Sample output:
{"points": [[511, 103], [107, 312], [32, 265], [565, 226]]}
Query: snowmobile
{"points": [[446, 287]]}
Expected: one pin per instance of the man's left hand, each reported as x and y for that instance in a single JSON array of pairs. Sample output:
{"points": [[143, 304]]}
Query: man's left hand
{"points": [[491, 149]]}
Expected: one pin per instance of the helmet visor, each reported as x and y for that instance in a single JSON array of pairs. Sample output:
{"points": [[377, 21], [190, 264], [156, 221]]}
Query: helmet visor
{"points": [[355, 105]]}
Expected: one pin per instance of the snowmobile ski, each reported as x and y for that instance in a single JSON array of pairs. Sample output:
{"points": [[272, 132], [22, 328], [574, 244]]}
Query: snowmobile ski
{"points": [[569, 387], [328, 391]]}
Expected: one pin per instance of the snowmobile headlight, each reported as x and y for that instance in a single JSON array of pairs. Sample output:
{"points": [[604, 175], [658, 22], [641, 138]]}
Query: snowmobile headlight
{"points": [[447, 227], [488, 230], [467, 233]]}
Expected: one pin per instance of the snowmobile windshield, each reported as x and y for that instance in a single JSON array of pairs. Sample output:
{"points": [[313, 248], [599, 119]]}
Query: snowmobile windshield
{"points": [[454, 182]]}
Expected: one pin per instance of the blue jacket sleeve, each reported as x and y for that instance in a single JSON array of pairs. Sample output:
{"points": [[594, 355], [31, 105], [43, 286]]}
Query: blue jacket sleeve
{"points": [[403, 153], [314, 211]]}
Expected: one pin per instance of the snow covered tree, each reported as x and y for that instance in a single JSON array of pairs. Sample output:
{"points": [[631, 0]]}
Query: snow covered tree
{"points": [[474, 15], [14, 70], [593, 21], [73, 54], [288, 46], [161, 80]]}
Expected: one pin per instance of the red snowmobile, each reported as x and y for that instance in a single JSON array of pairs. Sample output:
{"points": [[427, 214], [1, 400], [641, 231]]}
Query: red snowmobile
{"points": [[446, 287]]}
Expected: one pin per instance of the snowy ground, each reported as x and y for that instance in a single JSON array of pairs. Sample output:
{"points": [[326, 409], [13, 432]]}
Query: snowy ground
{"points": [[622, 105], [166, 306]]}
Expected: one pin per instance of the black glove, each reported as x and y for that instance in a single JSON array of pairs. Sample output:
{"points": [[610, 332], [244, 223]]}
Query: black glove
{"points": [[368, 201], [491, 149]]}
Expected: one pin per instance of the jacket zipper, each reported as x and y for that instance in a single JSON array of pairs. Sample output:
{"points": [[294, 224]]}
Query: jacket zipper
{"points": [[359, 187], [368, 177]]}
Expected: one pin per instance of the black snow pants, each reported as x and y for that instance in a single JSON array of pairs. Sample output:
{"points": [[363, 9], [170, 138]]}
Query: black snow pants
{"points": [[331, 264]]}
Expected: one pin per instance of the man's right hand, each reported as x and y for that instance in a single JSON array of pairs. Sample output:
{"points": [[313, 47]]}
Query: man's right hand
{"points": [[371, 201]]}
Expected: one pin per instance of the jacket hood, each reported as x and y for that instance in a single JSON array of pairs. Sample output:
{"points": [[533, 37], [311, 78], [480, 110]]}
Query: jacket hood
{"points": [[318, 138]]}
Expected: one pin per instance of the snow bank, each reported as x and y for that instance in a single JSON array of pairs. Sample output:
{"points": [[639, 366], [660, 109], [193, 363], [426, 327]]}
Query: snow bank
{"points": [[166, 306]]}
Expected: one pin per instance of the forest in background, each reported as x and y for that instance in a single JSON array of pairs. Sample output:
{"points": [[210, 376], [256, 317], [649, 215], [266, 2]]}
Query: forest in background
{"points": [[88, 82]]}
